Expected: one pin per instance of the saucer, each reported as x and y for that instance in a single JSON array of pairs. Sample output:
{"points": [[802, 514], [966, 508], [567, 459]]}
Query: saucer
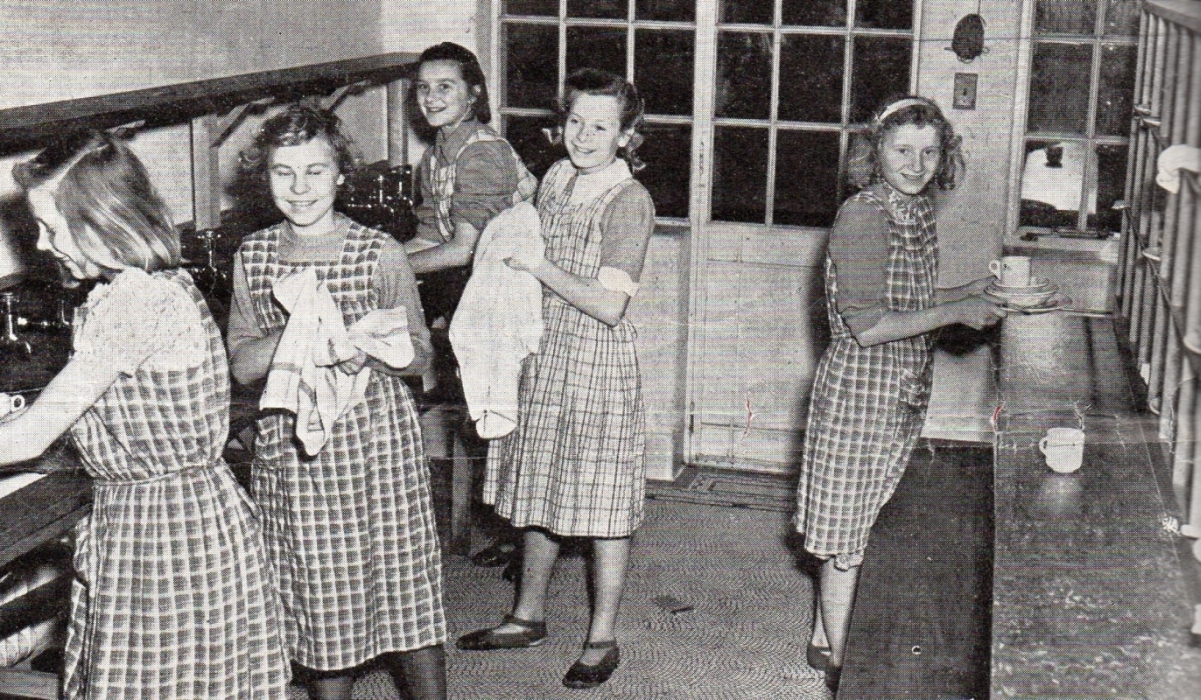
{"points": [[1036, 284], [1055, 303], [1026, 297]]}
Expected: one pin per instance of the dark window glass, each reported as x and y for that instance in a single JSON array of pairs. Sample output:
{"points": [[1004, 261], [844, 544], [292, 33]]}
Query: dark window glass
{"points": [[743, 75], [663, 67], [596, 47], [740, 174], [814, 13], [1059, 88], [880, 71], [1121, 17], [746, 11], [1065, 17], [1052, 180], [884, 14], [1116, 97], [1111, 186], [666, 10], [530, 141], [667, 154], [531, 71], [811, 78], [607, 9], [806, 178], [548, 8]]}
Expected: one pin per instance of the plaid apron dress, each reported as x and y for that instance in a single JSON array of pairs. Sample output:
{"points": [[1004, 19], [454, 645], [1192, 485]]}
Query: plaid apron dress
{"points": [[869, 404], [350, 530], [575, 463], [174, 596]]}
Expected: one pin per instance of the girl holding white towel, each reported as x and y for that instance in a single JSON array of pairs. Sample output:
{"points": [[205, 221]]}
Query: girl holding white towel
{"points": [[351, 529], [574, 466]]}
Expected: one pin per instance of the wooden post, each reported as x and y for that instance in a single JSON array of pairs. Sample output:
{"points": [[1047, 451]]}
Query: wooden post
{"points": [[206, 175]]}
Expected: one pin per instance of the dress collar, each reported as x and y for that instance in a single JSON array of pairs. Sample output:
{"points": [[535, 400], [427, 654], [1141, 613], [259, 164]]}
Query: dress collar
{"points": [[449, 144]]}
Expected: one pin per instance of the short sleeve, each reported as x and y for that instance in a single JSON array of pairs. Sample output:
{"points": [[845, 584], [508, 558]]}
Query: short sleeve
{"points": [[626, 230], [485, 180], [139, 319], [859, 249]]}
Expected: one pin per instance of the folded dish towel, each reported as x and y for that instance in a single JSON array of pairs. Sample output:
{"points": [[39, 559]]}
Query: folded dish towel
{"points": [[303, 379], [1172, 161]]}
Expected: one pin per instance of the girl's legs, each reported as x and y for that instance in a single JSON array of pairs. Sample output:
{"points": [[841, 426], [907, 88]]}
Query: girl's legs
{"points": [[837, 601], [819, 628], [610, 560], [538, 561], [424, 672]]}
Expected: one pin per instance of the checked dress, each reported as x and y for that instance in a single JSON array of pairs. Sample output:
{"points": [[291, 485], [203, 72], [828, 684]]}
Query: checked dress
{"points": [[173, 596], [868, 403], [574, 465], [351, 529]]}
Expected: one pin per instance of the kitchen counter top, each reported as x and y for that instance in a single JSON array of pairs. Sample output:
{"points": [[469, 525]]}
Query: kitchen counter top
{"points": [[1091, 585]]}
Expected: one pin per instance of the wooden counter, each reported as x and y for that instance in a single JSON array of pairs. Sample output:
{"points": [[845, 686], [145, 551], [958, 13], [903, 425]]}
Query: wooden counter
{"points": [[1091, 596]]}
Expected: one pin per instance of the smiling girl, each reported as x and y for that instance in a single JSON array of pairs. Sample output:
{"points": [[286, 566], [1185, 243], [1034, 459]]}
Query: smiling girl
{"points": [[350, 529], [574, 466], [873, 382]]}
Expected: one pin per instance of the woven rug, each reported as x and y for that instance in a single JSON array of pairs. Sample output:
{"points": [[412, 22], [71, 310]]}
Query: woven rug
{"points": [[723, 487]]}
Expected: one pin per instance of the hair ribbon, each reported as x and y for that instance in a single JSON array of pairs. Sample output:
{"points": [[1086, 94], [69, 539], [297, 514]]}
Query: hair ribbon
{"points": [[898, 106]]}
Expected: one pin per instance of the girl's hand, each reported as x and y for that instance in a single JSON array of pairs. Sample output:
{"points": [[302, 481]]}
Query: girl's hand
{"points": [[978, 312], [977, 286], [525, 264]]}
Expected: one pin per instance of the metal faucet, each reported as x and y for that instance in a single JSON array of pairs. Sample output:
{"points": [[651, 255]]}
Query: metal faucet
{"points": [[9, 342]]}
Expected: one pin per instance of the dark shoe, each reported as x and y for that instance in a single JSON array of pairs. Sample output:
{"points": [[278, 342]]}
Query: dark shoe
{"points": [[499, 553], [818, 657], [833, 676], [582, 676], [531, 635]]}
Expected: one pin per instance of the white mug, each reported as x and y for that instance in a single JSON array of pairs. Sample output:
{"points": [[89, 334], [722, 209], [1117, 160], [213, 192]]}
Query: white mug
{"points": [[1063, 448], [1011, 270], [10, 403]]}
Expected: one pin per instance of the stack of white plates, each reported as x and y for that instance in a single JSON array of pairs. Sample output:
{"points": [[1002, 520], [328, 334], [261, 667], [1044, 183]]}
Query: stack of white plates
{"points": [[1039, 293]]}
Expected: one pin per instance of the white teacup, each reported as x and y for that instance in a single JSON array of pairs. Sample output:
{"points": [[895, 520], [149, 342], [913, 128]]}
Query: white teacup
{"points": [[1063, 448], [10, 403], [1011, 270]]}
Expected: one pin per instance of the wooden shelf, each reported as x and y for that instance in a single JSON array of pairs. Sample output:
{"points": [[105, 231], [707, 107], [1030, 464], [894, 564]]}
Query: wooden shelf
{"points": [[22, 128]]}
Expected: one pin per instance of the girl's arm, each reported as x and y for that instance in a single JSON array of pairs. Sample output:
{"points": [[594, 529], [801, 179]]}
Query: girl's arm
{"points": [[457, 252], [250, 351], [73, 391], [973, 311], [964, 291], [587, 295]]}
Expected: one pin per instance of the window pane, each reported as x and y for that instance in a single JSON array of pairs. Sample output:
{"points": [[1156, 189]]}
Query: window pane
{"points": [[1111, 186], [528, 139], [549, 8], [746, 11], [743, 75], [880, 71], [1121, 17], [532, 69], [666, 10], [811, 78], [884, 14], [663, 62], [740, 174], [806, 178], [1059, 88], [1052, 181], [609, 9], [1116, 97], [667, 153], [1065, 17], [814, 13], [595, 47]]}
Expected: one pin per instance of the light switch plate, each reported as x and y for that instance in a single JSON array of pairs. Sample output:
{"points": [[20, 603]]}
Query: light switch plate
{"points": [[965, 91]]}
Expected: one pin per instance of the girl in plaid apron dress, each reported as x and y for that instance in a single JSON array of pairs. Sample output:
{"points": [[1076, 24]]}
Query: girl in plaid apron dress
{"points": [[574, 466], [174, 595], [468, 175], [351, 529], [873, 382]]}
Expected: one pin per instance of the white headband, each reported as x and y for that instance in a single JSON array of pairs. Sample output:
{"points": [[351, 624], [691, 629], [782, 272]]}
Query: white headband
{"points": [[898, 106]]}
